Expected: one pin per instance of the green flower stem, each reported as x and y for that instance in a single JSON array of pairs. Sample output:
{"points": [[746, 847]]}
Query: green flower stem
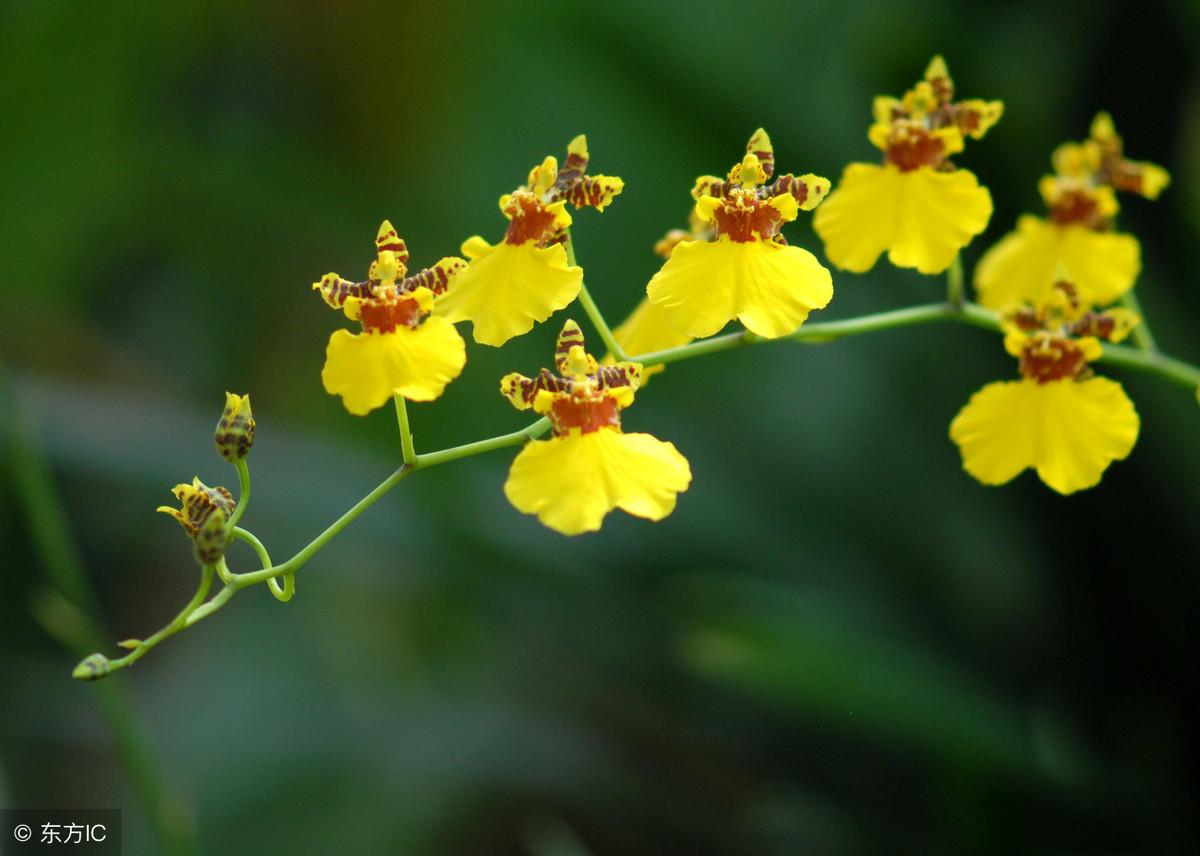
{"points": [[432, 459], [407, 451], [820, 332], [240, 581], [1153, 362], [1141, 332], [243, 471], [815, 333], [954, 282], [249, 538], [593, 311], [178, 623], [282, 593]]}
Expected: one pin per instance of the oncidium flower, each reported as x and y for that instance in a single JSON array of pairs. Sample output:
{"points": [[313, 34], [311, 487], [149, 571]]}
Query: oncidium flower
{"points": [[235, 432], [402, 350], [1079, 231], [589, 466], [203, 513], [745, 269], [916, 205], [523, 280], [1059, 419]]}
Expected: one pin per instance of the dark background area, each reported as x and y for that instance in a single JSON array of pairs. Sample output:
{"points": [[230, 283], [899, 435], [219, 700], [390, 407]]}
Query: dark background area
{"points": [[838, 643]]}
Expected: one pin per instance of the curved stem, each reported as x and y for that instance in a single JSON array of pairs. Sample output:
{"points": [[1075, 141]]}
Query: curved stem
{"points": [[407, 451], [1141, 332], [250, 538], [243, 471], [293, 564], [178, 623], [593, 311], [282, 593]]}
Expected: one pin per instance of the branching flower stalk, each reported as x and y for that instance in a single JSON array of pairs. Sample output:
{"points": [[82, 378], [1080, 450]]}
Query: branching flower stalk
{"points": [[1049, 287], [818, 333]]}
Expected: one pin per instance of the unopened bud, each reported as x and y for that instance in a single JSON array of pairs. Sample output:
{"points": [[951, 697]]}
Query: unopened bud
{"points": [[91, 668], [235, 432], [211, 538]]}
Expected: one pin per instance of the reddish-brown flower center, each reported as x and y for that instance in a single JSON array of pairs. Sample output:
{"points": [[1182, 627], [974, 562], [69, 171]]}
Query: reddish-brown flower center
{"points": [[1076, 206], [587, 414], [746, 218], [1046, 357], [914, 149], [384, 316], [530, 220]]}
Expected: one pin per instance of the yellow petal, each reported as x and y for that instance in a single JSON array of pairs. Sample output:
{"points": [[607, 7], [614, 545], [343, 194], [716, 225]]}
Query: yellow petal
{"points": [[507, 288], [769, 287], [1024, 265], [1066, 430], [647, 330], [922, 218], [572, 482], [366, 369]]}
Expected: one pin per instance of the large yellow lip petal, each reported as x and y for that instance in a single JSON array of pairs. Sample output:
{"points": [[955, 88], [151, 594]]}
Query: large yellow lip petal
{"points": [[366, 369], [1068, 431], [921, 218], [507, 288], [769, 287], [1024, 265], [572, 482]]}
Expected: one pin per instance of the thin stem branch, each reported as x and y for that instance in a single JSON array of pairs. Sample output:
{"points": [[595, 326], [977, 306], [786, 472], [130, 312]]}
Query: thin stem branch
{"points": [[407, 451], [1142, 335], [243, 471], [179, 622], [593, 311], [432, 459], [954, 282]]}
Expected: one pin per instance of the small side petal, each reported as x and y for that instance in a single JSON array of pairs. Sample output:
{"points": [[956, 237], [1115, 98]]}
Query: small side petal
{"points": [[507, 288], [572, 482], [1024, 264]]}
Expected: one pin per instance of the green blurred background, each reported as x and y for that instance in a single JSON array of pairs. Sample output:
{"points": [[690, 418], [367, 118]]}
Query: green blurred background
{"points": [[838, 644]]}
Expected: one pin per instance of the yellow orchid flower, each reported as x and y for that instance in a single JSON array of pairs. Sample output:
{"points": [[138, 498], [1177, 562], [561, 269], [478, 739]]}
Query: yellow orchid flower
{"points": [[523, 280], [916, 206], [1059, 419], [1078, 234], [744, 269], [401, 350], [588, 466]]}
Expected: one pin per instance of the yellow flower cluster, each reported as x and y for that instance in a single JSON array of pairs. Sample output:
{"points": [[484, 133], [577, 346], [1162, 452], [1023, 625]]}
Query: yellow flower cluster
{"points": [[733, 264]]}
